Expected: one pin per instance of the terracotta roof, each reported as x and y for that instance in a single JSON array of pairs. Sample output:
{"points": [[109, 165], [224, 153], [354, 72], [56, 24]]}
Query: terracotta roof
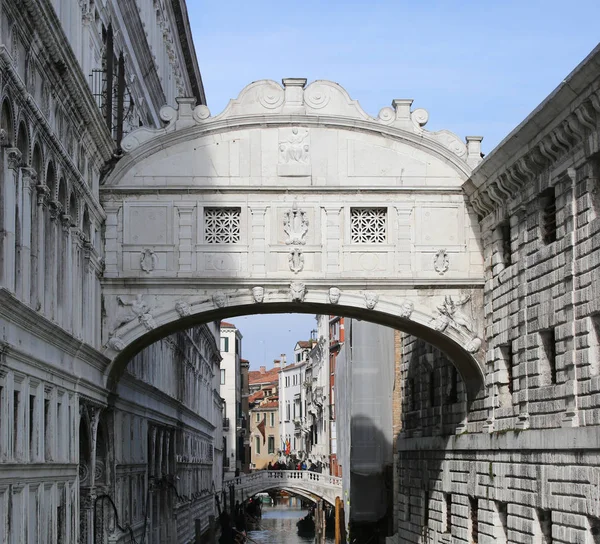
{"points": [[270, 404], [228, 325], [255, 396], [269, 376], [244, 361], [304, 343]]}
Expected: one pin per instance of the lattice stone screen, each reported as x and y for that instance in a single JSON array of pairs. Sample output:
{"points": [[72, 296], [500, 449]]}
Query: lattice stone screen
{"points": [[368, 225], [222, 225]]}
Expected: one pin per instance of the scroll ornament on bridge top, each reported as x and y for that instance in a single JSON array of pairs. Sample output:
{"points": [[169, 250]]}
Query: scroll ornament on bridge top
{"points": [[295, 97]]}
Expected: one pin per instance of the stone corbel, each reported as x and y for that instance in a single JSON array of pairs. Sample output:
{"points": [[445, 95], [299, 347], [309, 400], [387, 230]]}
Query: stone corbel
{"points": [[15, 158], [42, 194], [585, 117]]}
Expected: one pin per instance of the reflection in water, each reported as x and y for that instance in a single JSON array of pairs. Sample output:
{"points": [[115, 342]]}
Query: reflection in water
{"points": [[278, 526]]}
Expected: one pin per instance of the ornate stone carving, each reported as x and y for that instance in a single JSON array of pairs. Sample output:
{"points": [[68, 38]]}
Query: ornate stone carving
{"points": [[294, 149], [148, 260], [14, 157], [222, 225], [3, 138], [295, 225], [42, 193], [473, 345], [298, 291], [183, 308], [441, 262], [334, 295], [219, 299], [258, 293], [371, 299], [406, 309], [148, 321], [114, 342], [296, 260], [136, 308], [368, 225], [450, 314]]}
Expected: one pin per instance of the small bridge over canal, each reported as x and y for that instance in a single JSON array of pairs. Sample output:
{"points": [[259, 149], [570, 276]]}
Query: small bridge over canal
{"points": [[311, 485]]}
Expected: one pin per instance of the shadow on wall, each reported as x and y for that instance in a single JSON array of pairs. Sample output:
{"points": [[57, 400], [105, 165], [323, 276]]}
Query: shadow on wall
{"points": [[434, 408]]}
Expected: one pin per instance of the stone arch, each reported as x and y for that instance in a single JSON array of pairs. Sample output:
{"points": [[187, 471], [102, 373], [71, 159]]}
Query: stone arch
{"points": [[141, 325], [51, 179], [86, 224], [7, 120], [37, 161], [72, 210], [61, 194], [23, 142]]}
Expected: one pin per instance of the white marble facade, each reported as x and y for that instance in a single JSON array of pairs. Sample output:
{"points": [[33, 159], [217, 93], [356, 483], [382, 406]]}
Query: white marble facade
{"points": [[67, 443]]}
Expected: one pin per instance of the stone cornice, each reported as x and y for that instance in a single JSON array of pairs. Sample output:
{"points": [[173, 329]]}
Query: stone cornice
{"points": [[186, 43], [566, 119], [142, 53], [54, 40], [16, 312]]}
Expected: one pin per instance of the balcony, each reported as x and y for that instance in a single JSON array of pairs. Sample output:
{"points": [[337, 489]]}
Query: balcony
{"points": [[225, 423]]}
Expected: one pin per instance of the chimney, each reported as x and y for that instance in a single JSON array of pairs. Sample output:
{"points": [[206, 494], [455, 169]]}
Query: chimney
{"points": [[283, 359], [276, 363], [263, 369]]}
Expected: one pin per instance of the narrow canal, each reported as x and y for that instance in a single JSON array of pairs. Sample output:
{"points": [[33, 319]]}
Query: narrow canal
{"points": [[278, 526]]}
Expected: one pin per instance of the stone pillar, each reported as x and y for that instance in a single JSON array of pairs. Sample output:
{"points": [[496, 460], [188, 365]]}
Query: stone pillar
{"points": [[13, 162], [258, 263], [51, 262], [41, 203], [333, 239], [111, 238], [151, 452], [519, 221], [29, 178], [568, 332], [404, 253], [186, 253]]}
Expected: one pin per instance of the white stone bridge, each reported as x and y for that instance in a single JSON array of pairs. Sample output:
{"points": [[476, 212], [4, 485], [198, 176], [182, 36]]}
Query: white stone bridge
{"points": [[311, 485]]}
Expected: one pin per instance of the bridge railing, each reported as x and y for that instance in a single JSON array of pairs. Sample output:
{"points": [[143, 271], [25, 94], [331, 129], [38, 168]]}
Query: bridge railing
{"points": [[305, 475]]}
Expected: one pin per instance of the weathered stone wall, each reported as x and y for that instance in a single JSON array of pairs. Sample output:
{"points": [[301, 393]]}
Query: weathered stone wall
{"points": [[522, 465]]}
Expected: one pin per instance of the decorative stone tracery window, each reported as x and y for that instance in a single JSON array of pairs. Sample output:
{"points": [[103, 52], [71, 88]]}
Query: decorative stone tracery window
{"points": [[368, 225], [222, 225]]}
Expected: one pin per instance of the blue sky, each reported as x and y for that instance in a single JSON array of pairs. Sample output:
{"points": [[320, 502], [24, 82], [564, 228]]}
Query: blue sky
{"points": [[479, 68]]}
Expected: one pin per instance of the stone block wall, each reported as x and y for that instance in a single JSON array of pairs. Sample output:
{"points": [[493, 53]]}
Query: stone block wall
{"points": [[521, 465]]}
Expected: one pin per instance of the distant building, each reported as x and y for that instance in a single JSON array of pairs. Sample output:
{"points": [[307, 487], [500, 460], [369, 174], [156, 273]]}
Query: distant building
{"points": [[244, 439], [316, 392], [292, 402], [231, 392], [264, 416], [336, 340]]}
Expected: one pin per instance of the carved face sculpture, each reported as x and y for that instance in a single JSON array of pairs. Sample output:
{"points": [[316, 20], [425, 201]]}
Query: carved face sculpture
{"points": [[371, 299], [298, 290], [334, 295], [182, 308], [258, 293], [219, 299]]}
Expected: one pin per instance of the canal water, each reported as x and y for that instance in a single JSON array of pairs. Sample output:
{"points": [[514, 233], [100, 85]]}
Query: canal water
{"points": [[278, 526]]}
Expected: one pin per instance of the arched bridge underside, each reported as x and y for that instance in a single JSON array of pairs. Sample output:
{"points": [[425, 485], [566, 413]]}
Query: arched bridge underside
{"points": [[293, 199], [311, 485]]}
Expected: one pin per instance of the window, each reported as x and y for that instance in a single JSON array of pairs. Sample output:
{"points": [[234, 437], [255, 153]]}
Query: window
{"points": [[548, 212], [506, 381], [298, 357], [47, 430], [16, 422], [425, 509], [548, 359], [257, 442], [222, 376], [502, 510], [32, 425], [368, 225], [287, 381], [272, 419], [222, 225], [474, 520], [225, 344], [448, 503], [594, 343], [271, 444], [545, 521], [257, 417], [505, 233], [287, 410]]}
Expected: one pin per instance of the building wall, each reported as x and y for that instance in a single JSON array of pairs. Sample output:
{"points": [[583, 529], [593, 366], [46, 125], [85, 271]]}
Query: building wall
{"points": [[264, 449], [291, 395], [518, 463], [57, 431], [231, 392]]}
